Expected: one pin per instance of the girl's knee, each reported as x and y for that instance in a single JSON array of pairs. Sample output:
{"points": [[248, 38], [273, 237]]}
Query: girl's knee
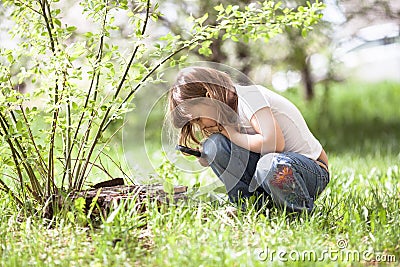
{"points": [[273, 169], [268, 163], [283, 183], [215, 144], [266, 166]]}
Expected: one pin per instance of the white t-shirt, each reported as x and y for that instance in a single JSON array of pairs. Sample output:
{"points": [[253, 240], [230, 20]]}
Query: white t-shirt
{"points": [[298, 137]]}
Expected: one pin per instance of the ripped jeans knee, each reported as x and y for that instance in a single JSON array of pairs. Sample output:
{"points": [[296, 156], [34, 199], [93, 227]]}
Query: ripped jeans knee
{"points": [[292, 180]]}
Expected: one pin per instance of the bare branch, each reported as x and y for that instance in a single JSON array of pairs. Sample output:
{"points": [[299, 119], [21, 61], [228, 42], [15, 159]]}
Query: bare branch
{"points": [[45, 8], [30, 7], [134, 53], [118, 166], [6, 189], [94, 83]]}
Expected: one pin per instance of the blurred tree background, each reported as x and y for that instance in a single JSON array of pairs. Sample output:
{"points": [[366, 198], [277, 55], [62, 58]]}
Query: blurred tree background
{"points": [[306, 60]]}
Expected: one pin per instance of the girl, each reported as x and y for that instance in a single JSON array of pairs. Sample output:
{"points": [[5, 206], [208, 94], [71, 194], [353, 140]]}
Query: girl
{"points": [[257, 142]]}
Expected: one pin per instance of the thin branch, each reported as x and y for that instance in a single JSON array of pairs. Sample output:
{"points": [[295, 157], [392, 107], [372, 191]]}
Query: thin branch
{"points": [[94, 143], [98, 155], [118, 166], [105, 116], [50, 17], [22, 155], [30, 7], [16, 156], [42, 162], [9, 191], [103, 125], [95, 77], [13, 153], [9, 176], [121, 83], [48, 26], [92, 163], [85, 139], [27, 125], [147, 17], [147, 76], [103, 169], [67, 141], [67, 144], [134, 52], [78, 128], [50, 176]]}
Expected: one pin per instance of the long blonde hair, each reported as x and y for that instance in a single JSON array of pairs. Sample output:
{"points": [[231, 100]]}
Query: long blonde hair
{"points": [[192, 86]]}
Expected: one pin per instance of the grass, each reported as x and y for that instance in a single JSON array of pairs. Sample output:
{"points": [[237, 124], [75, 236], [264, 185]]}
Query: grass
{"points": [[359, 210]]}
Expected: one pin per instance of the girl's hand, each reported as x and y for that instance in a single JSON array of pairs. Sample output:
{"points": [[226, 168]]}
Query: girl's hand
{"points": [[202, 160]]}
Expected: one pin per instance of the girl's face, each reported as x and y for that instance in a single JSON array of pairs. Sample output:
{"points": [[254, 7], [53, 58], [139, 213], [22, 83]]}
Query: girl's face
{"points": [[205, 123], [205, 116]]}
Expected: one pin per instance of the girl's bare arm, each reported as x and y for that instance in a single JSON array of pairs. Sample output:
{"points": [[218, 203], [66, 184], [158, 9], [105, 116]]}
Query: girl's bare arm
{"points": [[268, 137]]}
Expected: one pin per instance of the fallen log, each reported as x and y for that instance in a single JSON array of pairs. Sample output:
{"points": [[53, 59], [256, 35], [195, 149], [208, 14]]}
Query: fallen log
{"points": [[109, 194]]}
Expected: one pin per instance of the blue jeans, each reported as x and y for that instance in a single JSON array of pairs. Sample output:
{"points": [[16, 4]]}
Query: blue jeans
{"points": [[290, 180]]}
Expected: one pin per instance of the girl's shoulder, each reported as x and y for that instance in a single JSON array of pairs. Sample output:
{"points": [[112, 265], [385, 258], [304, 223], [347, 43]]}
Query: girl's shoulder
{"points": [[253, 91], [252, 98], [259, 91], [254, 88]]}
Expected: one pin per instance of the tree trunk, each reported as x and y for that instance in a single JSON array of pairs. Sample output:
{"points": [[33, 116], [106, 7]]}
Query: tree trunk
{"points": [[307, 81]]}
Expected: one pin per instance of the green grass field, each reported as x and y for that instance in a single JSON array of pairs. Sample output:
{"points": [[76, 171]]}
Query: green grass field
{"points": [[356, 221]]}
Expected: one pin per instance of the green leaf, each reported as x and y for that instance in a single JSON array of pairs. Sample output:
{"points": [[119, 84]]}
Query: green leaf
{"points": [[10, 58], [219, 8], [183, 58], [58, 22], [304, 32], [19, 126], [70, 216], [205, 48], [228, 9], [79, 204], [168, 187], [93, 203], [154, 17], [202, 19], [71, 28], [277, 5], [114, 214], [205, 51]]}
